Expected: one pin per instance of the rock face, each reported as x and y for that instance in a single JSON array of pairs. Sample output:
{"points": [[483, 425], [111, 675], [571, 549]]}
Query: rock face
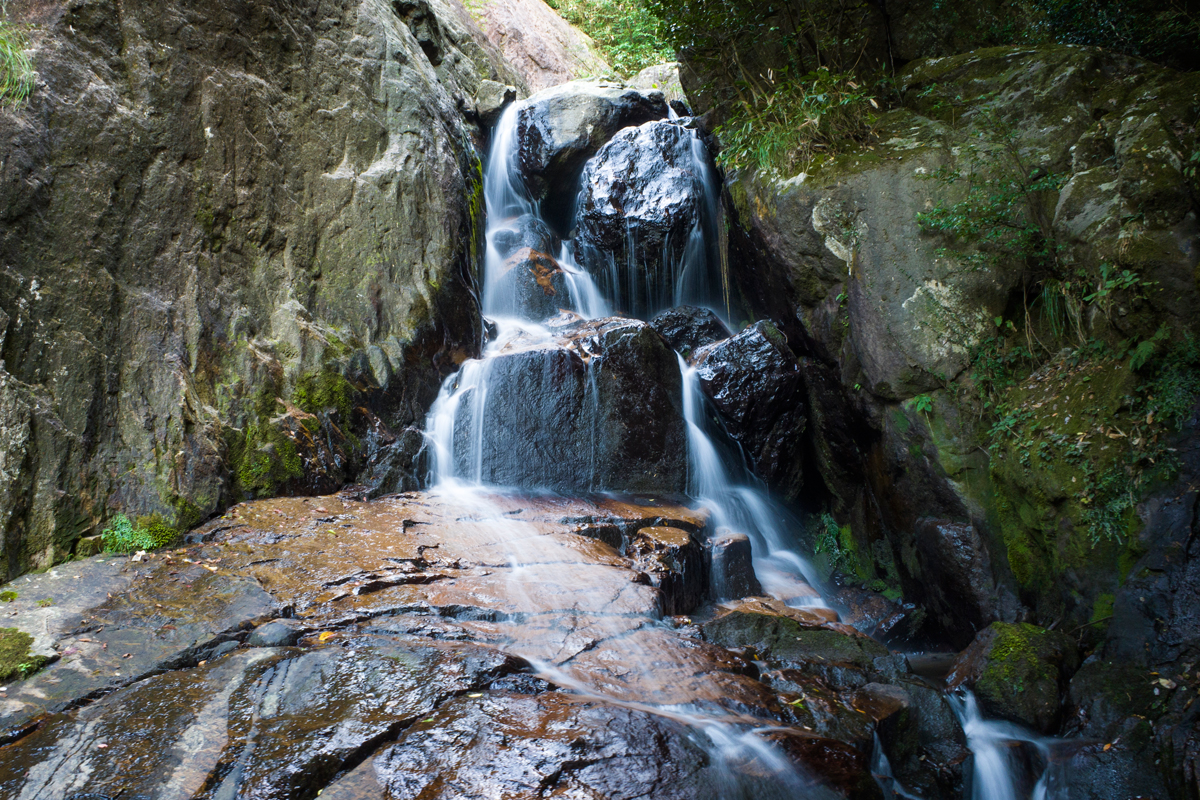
{"points": [[753, 380], [200, 209], [642, 216], [562, 127], [542, 46], [598, 406], [901, 316]]}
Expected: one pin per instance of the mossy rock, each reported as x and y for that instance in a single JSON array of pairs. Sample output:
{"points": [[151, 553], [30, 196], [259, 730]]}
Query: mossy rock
{"points": [[1018, 672], [16, 660], [843, 659]]}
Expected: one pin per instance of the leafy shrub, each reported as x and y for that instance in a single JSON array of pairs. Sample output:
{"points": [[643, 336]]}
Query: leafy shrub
{"points": [[1167, 31], [799, 120]]}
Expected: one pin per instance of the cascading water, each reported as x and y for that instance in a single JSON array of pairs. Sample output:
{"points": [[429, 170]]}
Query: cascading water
{"points": [[539, 409], [1010, 762]]}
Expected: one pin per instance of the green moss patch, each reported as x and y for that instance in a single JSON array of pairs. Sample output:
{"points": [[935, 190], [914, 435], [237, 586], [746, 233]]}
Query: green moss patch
{"points": [[16, 660]]}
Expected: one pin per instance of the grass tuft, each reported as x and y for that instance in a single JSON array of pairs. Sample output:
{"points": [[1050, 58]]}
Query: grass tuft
{"points": [[16, 71]]}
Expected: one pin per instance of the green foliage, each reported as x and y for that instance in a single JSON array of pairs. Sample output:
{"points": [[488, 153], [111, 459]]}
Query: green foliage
{"points": [[1174, 388], [1002, 217], [150, 532], [8, 597], [797, 121], [628, 35], [16, 660], [16, 72], [268, 460], [923, 404], [1167, 31], [837, 544]]}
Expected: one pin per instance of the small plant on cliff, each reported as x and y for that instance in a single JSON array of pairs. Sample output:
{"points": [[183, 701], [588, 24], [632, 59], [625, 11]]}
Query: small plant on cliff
{"points": [[16, 72], [123, 536]]}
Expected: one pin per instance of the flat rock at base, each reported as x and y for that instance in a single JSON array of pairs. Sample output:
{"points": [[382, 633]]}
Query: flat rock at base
{"points": [[416, 619]]}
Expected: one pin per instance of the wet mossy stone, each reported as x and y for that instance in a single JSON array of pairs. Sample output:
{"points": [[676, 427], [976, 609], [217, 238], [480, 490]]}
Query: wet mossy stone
{"points": [[1018, 672], [16, 660], [844, 658]]}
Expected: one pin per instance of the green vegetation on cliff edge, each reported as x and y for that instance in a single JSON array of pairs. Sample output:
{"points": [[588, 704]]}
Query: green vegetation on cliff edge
{"points": [[628, 35]]}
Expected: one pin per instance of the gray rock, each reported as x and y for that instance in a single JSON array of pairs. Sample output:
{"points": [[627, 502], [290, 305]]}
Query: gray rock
{"points": [[597, 407], [562, 127], [491, 100], [277, 633], [542, 46], [643, 219], [687, 328], [754, 382]]}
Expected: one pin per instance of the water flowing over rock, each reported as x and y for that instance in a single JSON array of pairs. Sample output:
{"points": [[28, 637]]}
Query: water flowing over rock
{"points": [[644, 206], [1018, 672], [592, 406], [407, 617]]}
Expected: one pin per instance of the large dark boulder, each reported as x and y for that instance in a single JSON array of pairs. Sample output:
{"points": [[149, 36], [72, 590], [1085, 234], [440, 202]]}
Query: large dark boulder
{"points": [[597, 406], [641, 217], [562, 127], [755, 384]]}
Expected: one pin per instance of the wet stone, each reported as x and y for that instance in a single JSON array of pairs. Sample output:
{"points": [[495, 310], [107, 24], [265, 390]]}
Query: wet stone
{"points": [[687, 328], [534, 283], [675, 562], [733, 567], [277, 633], [754, 381]]}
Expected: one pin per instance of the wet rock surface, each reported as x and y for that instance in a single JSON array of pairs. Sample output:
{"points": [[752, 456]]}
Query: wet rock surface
{"points": [[563, 126], [687, 328], [432, 645], [248, 195], [1018, 672], [598, 406], [755, 384]]}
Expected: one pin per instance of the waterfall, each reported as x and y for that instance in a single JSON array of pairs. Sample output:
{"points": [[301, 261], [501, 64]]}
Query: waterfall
{"points": [[739, 502], [484, 436]]}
